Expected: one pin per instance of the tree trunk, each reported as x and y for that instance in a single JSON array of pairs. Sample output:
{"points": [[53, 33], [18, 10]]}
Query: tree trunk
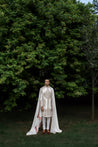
{"points": [[93, 96]]}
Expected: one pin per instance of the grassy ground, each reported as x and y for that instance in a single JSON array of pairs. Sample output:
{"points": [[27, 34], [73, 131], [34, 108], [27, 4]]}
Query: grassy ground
{"points": [[78, 129]]}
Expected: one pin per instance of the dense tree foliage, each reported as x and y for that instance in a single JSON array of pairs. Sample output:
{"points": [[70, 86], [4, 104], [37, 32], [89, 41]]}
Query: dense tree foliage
{"points": [[39, 39]]}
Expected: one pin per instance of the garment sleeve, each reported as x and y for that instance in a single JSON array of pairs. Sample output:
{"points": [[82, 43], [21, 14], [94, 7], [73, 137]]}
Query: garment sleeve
{"points": [[51, 104], [52, 99], [41, 99]]}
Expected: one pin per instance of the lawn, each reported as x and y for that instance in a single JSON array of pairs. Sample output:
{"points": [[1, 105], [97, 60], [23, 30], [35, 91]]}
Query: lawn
{"points": [[78, 129]]}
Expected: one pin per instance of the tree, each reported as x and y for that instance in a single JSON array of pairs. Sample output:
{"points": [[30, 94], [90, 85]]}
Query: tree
{"points": [[38, 39], [90, 47], [95, 2]]}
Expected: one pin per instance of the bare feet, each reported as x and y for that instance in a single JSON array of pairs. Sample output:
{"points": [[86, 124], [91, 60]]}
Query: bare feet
{"points": [[43, 132], [48, 132]]}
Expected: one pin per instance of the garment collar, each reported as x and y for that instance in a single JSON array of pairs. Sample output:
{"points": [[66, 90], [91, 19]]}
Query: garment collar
{"points": [[47, 86]]}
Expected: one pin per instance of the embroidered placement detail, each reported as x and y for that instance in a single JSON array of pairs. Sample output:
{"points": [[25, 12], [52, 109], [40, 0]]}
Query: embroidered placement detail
{"points": [[46, 101]]}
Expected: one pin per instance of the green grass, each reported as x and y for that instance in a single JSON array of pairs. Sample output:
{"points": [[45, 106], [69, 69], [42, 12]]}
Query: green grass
{"points": [[78, 129]]}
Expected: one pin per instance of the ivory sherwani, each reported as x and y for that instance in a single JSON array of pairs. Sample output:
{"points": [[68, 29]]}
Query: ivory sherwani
{"points": [[46, 101]]}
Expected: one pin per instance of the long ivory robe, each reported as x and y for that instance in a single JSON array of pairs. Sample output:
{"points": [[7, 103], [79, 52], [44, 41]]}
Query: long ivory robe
{"points": [[39, 114]]}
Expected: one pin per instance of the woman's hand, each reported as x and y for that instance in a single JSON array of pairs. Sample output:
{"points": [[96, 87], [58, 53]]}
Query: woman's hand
{"points": [[42, 109]]}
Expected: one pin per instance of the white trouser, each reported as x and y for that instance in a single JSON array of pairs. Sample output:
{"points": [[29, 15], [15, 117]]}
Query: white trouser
{"points": [[44, 122]]}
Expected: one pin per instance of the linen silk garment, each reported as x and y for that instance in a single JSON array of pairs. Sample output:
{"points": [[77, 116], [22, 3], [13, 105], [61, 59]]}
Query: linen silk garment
{"points": [[36, 124], [46, 101]]}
